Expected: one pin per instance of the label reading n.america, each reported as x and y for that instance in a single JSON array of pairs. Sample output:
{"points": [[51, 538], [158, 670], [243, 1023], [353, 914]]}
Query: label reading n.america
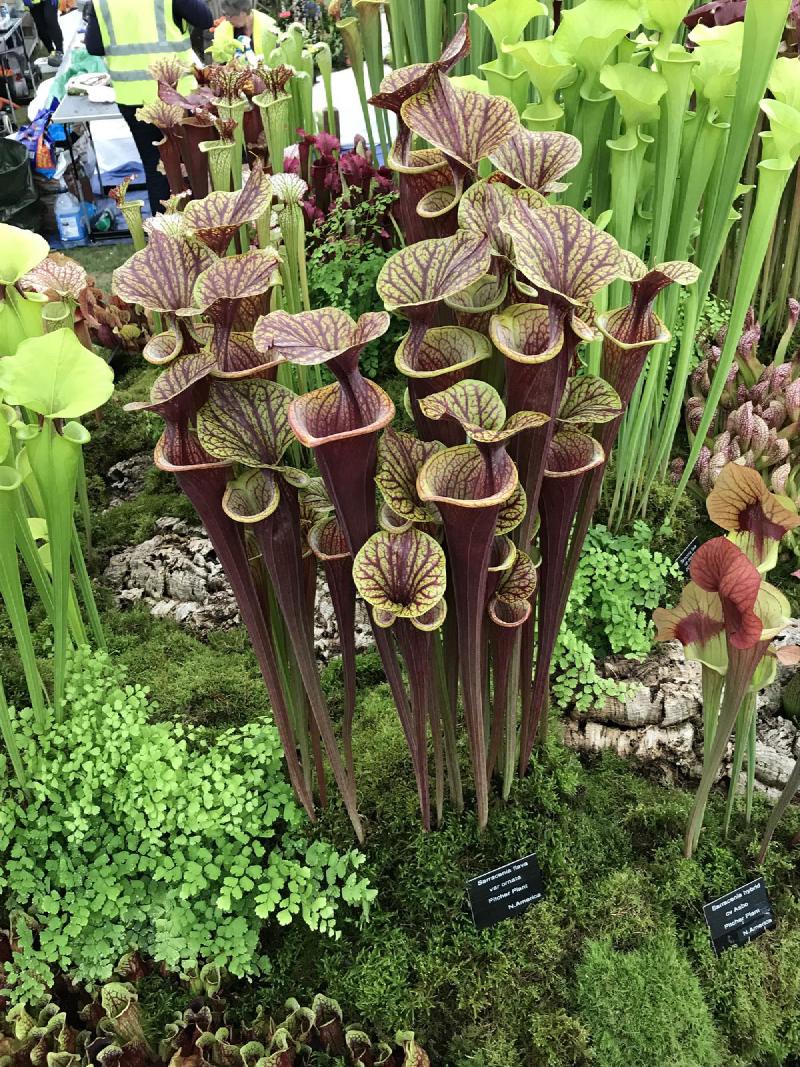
{"points": [[739, 916], [505, 892]]}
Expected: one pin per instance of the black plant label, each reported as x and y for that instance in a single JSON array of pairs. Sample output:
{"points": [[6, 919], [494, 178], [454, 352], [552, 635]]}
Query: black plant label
{"points": [[739, 916], [505, 892], [684, 557]]}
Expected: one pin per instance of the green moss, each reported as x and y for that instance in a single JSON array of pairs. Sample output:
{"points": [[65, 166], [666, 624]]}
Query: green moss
{"points": [[609, 844], [622, 909], [134, 521], [755, 992], [645, 1007], [212, 683], [783, 576], [690, 519], [620, 898], [118, 434], [161, 1000], [101, 260]]}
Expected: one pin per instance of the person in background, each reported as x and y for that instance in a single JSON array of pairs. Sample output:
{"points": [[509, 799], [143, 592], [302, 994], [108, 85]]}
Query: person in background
{"points": [[248, 21], [45, 16], [131, 35]]}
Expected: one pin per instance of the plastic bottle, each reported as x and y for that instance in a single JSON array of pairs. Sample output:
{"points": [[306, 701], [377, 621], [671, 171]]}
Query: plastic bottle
{"points": [[70, 219]]}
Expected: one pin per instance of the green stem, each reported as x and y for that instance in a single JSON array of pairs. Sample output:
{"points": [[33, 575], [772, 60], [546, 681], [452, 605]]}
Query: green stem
{"points": [[12, 595], [292, 685], [305, 89], [10, 741], [591, 113], [449, 731], [741, 667], [22, 318], [782, 803], [763, 27], [744, 723], [324, 66], [132, 213], [433, 29], [697, 168], [262, 228], [54, 461], [235, 112], [86, 590], [354, 48], [752, 737], [369, 17], [85, 509], [712, 682], [627, 157], [33, 563], [511, 750], [676, 70]]}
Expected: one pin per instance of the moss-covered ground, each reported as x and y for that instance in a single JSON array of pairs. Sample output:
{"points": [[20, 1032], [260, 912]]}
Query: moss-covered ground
{"points": [[100, 260], [613, 968]]}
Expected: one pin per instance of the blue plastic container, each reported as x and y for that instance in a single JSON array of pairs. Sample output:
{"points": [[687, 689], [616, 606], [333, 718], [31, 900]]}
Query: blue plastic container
{"points": [[72, 219]]}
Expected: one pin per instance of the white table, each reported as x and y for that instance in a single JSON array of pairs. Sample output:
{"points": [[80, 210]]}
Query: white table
{"points": [[80, 111]]}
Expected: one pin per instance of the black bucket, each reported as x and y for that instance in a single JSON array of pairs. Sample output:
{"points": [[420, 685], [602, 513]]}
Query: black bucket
{"points": [[18, 194]]}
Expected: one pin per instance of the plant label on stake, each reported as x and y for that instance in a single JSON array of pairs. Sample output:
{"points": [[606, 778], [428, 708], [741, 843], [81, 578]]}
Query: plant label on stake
{"points": [[739, 916], [505, 892], [684, 558]]}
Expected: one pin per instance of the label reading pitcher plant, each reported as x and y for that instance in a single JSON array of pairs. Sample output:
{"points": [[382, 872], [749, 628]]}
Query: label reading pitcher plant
{"points": [[505, 892], [739, 916]]}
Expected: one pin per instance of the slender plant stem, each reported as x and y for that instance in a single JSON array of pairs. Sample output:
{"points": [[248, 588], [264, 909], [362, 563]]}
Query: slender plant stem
{"points": [[741, 667], [782, 803], [449, 727], [86, 590], [14, 601], [744, 722], [10, 741]]}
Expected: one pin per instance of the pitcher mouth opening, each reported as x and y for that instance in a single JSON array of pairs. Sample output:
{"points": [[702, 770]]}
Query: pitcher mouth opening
{"points": [[302, 431]]}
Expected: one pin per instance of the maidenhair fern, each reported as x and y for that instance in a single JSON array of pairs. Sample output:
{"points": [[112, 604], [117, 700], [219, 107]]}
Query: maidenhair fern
{"points": [[159, 837]]}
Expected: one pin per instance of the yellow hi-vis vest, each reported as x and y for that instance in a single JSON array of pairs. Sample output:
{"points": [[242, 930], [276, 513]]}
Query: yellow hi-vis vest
{"points": [[135, 33]]}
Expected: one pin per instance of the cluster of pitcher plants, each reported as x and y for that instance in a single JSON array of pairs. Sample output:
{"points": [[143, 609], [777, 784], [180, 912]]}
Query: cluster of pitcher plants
{"points": [[114, 1026], [210, 117], [484, 510], [529, 329], [667, 113], [756, 420]]}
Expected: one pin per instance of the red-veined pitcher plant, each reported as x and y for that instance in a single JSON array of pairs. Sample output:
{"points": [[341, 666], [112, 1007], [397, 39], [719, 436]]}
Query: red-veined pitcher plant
{"points": [[726, 619], [445, 534]]}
